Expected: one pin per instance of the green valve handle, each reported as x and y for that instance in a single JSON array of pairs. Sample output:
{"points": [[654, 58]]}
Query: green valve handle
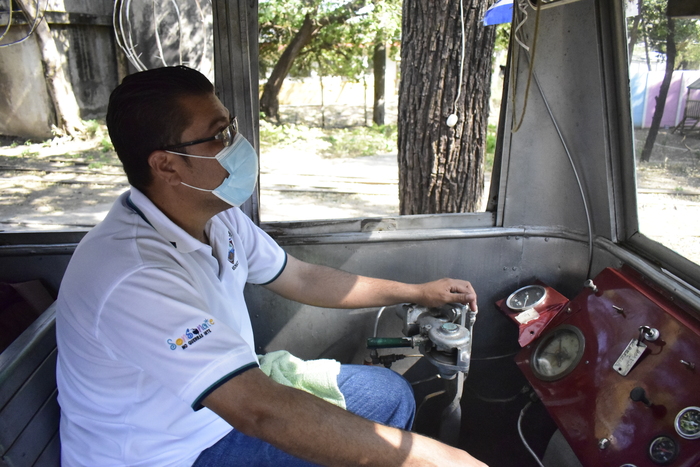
{"points": [[388, 342]]}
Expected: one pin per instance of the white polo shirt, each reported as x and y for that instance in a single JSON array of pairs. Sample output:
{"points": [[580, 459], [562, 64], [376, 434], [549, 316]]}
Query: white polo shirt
{"points": [[149, 321]]}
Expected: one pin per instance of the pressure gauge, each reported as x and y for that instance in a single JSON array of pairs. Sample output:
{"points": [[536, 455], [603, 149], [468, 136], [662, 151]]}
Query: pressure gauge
{"points": [[527, 297], [663, 450], [557, 353], [688, 423]]}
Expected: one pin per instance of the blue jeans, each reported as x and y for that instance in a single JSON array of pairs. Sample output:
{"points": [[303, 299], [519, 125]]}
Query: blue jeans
{"points": [[371, 392]]}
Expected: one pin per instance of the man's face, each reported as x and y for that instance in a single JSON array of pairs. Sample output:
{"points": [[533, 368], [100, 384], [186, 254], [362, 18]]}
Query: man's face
{"points": [[208, 117]]}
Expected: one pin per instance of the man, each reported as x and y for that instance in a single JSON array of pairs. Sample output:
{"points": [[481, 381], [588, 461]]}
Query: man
{"points": [[156, 356]]}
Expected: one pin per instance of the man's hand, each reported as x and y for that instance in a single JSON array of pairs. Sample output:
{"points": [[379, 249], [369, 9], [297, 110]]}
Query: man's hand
{"points": [[444, 291]]}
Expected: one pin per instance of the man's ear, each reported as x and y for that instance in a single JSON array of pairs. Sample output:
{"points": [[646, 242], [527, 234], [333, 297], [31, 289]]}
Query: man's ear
{"points": [[165, 167]]}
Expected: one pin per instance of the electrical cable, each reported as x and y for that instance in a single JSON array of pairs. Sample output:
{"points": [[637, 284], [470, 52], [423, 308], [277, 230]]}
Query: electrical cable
{"points": [[578, 179], [522, 8], [522, 437], [495, 357], [137, 61], [426, 380], [426, 398], [35, 23], [179, 30], [516, 126], [120, 34], [376, 320], [452, 118], [9, 19], [157, 34], [532, 75]]}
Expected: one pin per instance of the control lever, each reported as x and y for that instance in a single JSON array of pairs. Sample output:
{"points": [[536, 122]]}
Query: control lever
{"points": [[648, 334], [639, 395]]}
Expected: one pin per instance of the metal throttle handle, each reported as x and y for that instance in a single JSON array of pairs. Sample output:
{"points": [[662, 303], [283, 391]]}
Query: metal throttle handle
{"points": [[389, 342]]}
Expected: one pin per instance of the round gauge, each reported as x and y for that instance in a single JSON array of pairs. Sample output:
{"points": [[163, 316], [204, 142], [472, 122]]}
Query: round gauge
{"points": [[526, 297], [688, 423], [557, 353], [663, 450]]}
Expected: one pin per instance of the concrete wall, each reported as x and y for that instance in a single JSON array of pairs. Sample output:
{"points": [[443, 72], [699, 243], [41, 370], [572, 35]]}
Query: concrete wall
{"points": [[83, 34]]}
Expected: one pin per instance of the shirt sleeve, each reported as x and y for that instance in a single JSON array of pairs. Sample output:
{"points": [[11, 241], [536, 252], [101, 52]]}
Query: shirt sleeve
{"points": [[266, 259], [157, 321]]}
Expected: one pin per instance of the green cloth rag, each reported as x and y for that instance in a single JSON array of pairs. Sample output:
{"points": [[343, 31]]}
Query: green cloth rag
{"points": [[318, 377]]}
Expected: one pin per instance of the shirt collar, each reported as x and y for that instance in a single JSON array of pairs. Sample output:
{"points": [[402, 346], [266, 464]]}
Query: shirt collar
{"points": [[181, 240]]}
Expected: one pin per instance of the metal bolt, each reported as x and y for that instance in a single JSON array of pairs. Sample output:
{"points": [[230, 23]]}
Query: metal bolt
{"points": [[450, 328], [603, 443]]}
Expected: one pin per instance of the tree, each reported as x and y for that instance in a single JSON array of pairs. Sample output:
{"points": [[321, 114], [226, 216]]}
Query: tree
{"points": [[677, 41], [663, 91], [310, 27], [441, 167], [299, 36], [379, 66], [59, 87]]}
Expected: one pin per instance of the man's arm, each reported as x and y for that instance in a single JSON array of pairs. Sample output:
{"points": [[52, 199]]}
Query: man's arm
{"points": [[331, 288], [310, 428]]}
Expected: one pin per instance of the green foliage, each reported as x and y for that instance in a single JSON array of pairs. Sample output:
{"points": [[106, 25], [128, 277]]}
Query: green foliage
{"points": [[490, 148], [286, 135], [106, 144], [360, 141], [336, 142], [91, 127], [654, 26]]}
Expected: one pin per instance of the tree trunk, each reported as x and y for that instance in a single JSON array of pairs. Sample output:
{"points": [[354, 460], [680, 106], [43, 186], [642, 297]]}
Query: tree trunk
{"points": [[59, 87], [663, 92], [269, 101], [634, 33], [441, 167], [379, 66]]}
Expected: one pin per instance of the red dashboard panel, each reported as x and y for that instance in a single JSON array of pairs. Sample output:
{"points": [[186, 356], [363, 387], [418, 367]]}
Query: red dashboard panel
{"points": [[592, 405]]}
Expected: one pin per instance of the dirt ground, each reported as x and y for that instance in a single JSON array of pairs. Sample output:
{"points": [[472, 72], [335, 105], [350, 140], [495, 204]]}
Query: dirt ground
{"points": [[64, 184]]}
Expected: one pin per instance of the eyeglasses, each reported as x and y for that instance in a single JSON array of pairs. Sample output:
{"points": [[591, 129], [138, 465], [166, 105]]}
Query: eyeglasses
{"points": [[226, 136]]}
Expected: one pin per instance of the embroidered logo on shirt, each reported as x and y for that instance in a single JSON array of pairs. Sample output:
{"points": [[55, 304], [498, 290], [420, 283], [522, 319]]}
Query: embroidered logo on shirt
{"points": [[231, 252], [191, 335]]}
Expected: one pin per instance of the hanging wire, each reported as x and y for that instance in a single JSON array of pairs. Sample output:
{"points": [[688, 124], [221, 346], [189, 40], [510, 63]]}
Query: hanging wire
{"points": [[157, 34], [461, 62], [123, 32], [120, 35], [522, 437], [516, 126], [9, 19], [532, 76], [576, 175], [35, 23]]}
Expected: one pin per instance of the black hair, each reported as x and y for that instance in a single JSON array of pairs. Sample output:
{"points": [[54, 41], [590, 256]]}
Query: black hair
{"points": [[145, 114]]}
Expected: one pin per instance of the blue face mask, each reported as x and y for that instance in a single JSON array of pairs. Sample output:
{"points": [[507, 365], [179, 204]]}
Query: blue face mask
{"points": [[241, 162]]}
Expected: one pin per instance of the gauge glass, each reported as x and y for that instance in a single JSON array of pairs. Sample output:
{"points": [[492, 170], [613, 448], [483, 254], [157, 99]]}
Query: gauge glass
{"points": [[527, 297], [688, 423], [557, 353], [663, 450]]}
